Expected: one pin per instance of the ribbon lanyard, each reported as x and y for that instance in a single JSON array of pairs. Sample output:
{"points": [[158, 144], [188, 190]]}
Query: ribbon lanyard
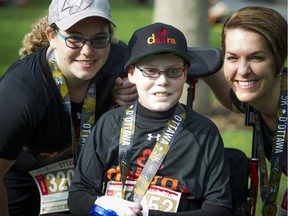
{"points": [[161, 148], [269, 187], [88, 109]]}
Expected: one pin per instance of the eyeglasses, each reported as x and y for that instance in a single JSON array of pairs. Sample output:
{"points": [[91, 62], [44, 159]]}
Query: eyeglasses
{"points": [[76, 42], [155, 72]]}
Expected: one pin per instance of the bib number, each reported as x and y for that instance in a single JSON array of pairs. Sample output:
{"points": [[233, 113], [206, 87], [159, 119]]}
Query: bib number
{"points": [[157, 198], [54, 182]]}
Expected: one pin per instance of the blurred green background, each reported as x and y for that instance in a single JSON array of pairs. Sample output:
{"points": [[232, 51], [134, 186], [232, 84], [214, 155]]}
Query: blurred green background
{"points": [[16, 21]]}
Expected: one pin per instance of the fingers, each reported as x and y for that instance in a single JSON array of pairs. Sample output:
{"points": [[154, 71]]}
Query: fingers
{"points": [[124, 92], [122, 83], [123, 100]]}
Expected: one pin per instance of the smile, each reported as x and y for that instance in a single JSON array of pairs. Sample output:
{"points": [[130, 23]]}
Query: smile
{"points": [[246, 83], [87, 62], [161, 94]]}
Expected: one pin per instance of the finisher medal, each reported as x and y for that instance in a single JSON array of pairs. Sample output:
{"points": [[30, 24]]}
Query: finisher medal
{"points": [[269, 209]]}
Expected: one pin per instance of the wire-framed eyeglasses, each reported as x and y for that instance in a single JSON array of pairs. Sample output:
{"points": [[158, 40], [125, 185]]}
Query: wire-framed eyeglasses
{"points": [[76, 42], [155, 72]]}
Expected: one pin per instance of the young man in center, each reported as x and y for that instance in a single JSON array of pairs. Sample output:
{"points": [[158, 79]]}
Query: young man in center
{"points": [[170, 158]]}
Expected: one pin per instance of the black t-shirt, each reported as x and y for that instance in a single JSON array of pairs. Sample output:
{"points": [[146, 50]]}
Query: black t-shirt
{"points": [[32, 115]]}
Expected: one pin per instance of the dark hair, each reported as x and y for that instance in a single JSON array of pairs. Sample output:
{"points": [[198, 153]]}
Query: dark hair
{"points": [[266, 22]]}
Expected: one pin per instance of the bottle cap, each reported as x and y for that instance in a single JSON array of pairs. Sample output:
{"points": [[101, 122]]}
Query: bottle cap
{"points": [[99, 211]]}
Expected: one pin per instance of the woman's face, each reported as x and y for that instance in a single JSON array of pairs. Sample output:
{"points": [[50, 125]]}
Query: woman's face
{"points": [[82, 63], [162, 93], [249, 66]]}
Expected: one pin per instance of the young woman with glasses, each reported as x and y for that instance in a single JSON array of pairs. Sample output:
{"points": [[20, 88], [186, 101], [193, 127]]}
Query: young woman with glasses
{"points": [[50, 101]]}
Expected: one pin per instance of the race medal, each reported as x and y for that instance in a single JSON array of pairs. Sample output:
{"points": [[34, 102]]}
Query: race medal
{"points": [[54, 182], [156, 197], [269, 209]]}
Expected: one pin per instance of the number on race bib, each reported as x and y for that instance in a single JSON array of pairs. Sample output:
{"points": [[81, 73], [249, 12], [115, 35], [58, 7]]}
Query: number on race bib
{"points": [[59, 181]]}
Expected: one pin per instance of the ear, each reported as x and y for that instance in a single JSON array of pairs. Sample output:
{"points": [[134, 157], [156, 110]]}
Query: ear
{"points": [[131, 74], [51, 36], [186, 69]]}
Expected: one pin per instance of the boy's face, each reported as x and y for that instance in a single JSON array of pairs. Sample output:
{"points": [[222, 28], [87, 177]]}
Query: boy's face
{"points": [[161, 93]]}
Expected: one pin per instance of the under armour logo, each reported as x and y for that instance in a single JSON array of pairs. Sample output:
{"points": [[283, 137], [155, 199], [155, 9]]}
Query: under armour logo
{"points": [[78, 114], [150, 137]]}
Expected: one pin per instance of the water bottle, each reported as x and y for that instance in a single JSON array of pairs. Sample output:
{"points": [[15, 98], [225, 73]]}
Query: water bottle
{"points": [[99, 211]]}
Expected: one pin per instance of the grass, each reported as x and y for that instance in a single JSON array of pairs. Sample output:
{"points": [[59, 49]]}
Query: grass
{"points": [[16, 22]]}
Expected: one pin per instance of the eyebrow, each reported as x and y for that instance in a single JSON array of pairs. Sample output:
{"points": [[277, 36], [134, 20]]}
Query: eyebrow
{"points": [[253, 53]]}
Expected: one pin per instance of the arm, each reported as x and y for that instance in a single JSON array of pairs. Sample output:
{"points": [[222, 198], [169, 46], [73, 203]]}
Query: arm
{"points": [[4, 167], [218, 84]]}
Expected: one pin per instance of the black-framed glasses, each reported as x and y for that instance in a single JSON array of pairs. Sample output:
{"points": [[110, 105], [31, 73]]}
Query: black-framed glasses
{"points": [[76, 42], [155, 72]]}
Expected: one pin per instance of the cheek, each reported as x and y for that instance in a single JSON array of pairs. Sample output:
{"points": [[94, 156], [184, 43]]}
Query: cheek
{"points": [[228, 70]]}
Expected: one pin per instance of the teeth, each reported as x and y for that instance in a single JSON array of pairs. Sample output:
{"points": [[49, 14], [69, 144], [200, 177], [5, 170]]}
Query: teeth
{"points": [[246, 83], [86, 62], [161, 94]]}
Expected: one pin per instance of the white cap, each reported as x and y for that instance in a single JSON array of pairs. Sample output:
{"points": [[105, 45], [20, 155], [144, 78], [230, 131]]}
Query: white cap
{"points": [[66, 13]]}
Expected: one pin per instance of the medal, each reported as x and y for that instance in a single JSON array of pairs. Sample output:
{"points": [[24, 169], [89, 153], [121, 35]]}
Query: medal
{"points": [[269, 209]]}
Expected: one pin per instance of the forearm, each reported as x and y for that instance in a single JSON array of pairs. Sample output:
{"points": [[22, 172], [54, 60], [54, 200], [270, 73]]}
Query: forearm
{"points": [[220, 88], [80, 203], [3, 200], [4, 167], [209, 210]]}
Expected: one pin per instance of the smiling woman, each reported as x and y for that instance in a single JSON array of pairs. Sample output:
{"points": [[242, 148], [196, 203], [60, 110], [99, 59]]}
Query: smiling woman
{"points": [[254, 44]]}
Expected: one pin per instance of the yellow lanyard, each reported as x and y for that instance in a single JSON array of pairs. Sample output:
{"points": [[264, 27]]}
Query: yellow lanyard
{"points": [[88, 109]]}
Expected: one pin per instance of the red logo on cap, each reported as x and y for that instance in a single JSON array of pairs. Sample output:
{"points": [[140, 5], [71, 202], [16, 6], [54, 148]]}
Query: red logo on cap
{"points": [[161, 38]]}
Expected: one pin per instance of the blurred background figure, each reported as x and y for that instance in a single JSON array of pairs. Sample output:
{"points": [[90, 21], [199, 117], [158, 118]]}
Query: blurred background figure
{"points": [[18, 3], [217, 12]]}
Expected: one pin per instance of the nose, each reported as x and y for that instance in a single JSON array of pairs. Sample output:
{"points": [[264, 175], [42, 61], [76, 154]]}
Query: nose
{"points": [[87, 49], [162, 79], [244, 68]]}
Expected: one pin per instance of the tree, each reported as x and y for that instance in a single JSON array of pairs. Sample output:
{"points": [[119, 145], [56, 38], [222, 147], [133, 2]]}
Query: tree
{"points": [[191, 17]]}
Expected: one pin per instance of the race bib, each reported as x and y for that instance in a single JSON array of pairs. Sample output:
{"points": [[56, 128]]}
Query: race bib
{"points": [[54, 182], [157, 198]]}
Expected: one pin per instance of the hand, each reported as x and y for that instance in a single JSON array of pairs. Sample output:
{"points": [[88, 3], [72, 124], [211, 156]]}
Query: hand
{"points": [[124, 92], [120, 206]]}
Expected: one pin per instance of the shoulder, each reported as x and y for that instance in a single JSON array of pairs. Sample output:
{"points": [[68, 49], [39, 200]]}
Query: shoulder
{"points": [[198, 120], [113, 116], [114, 66], [120, 46], [117, 51], [29, 77], [28, 68]]}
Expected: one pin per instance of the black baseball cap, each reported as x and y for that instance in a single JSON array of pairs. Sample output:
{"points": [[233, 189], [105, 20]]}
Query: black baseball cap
{"points": [[156, 38]]}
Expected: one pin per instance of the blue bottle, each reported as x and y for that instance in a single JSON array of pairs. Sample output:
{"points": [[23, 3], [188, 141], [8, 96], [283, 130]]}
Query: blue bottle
{"points": [[99, 211]]}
